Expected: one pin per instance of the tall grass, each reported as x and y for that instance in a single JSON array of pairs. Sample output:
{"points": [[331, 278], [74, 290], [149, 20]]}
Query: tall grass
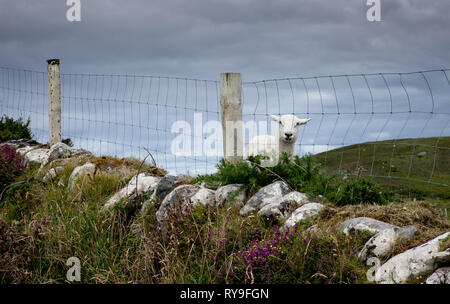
{"points": [[44, 224], [204, 245]]}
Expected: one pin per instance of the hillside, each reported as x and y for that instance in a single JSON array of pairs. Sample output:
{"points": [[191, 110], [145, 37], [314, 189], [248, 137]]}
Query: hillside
{"points": [[409, 163]]}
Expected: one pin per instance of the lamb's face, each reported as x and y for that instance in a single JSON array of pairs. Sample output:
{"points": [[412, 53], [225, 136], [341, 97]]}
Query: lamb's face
{"points": [[288, 129]]}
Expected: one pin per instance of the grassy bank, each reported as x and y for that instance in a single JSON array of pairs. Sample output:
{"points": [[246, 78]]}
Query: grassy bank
{"points": [[45, 224], [411, 164]]}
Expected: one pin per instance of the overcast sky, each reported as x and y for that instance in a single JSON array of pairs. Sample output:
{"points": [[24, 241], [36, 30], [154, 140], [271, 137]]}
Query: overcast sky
{"points": [[202, 38], [262, 39]]}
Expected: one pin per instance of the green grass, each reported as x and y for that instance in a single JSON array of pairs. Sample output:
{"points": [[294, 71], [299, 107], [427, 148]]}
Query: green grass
{"points": [[43, 225], [121, 247], [409, 173], [300, 174], [204, 246]]}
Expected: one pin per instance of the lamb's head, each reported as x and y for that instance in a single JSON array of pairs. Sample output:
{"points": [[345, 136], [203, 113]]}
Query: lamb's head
{"points": [[288, 129]]}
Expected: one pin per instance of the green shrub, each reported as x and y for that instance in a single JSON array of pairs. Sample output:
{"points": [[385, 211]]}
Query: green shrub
{"points": [[240, 173], [68, 142], [301, 174], [14, 129], [354, 191]]}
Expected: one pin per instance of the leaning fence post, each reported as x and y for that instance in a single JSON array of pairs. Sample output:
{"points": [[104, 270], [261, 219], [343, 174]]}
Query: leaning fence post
{"points": [[231, 111], [54, 101]]}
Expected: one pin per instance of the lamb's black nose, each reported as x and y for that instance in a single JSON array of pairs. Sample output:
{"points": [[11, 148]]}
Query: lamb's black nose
{"points": [[288, 135]]}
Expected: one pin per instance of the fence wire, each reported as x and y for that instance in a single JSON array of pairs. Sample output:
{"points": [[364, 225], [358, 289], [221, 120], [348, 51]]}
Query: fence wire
{"points": [[24, 94], [122, 115], [389, 126]]}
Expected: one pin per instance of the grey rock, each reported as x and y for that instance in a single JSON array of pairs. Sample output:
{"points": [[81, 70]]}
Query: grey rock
{"points": [[414, 262], [295, 197], [267, 195], [177, 196], [58, 151], [304, 212], [280, 208], [164, 187], [167, 184], [204, 196], [272, 210], [53, 173], [37, 156], [24, 150], [43, 156], [61, 150], [87, 168], [364, 224], [20, 143], [383, 242], [145, 183], [440, 276], [232, 194]]}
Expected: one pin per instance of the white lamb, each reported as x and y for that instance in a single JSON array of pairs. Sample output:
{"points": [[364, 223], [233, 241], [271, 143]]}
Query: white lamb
{"points": [[271, 146]]}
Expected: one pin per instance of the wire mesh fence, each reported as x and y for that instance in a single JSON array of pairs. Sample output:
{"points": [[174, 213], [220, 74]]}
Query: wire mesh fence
{"points": [[24, 94], [123, 114], [390, 126]]}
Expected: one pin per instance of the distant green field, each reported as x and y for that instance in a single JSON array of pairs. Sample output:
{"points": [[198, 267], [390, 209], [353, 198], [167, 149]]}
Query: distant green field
{"points": [[397, 164]]}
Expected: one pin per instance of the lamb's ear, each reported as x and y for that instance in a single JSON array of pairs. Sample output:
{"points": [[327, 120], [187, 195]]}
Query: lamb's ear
{"points": [[303, 121], [275, 118]]}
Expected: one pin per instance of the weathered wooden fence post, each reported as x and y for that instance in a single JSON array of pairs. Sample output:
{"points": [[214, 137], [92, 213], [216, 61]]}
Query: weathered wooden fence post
{"points": [[54, 100], [231, 110]]}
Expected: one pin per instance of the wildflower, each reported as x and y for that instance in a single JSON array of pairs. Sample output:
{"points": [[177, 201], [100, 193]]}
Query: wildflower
{"points": [[11, 165]]}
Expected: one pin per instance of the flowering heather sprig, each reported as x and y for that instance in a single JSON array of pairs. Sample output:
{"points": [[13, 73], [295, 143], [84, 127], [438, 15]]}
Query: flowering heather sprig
{"points": [[11, 165], [261, 251], [225, 244]]}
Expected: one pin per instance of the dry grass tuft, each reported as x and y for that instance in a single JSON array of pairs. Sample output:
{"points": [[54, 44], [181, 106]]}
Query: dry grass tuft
{"points": [[429, 220], [18, 250], [421, 214]]}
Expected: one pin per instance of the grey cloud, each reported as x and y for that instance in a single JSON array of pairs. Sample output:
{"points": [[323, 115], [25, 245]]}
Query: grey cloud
{"points": [[199, 38]]}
